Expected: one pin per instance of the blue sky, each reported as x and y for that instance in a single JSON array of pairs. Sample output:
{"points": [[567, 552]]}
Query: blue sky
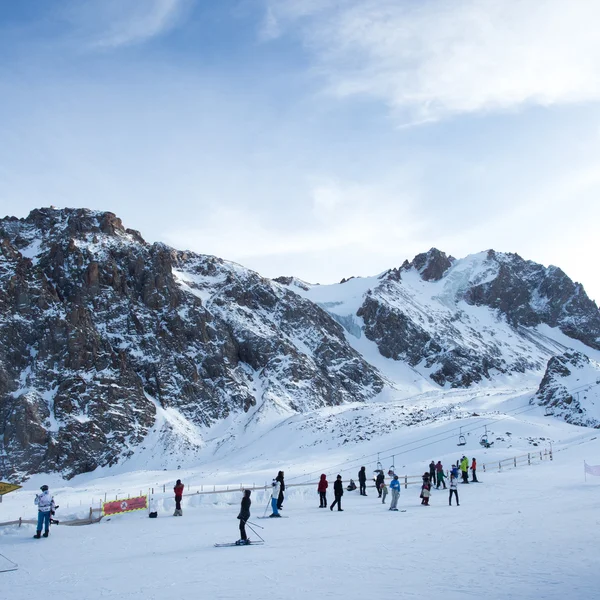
{"points": [[317, 138]]}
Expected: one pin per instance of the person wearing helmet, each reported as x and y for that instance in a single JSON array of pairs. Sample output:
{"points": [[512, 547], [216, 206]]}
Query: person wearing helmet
{"points": [[45, 504]]}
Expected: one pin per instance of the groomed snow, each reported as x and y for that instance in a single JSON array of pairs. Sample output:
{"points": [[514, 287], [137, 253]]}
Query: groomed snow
{"points": [[528, 533]]}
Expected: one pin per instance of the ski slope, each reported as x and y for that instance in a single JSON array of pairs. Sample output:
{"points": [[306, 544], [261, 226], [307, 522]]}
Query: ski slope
{"points": [[529, 533], [526, 533]]}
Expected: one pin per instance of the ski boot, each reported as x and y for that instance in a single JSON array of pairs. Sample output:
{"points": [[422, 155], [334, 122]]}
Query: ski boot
{"points": [[38, 535]]}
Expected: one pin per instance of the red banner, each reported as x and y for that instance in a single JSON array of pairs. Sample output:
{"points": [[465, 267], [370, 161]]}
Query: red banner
{"points": [[122, 506]]}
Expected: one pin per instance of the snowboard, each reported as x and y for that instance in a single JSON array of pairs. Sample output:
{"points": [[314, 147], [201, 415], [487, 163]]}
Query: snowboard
{"points": [[227, 545]]}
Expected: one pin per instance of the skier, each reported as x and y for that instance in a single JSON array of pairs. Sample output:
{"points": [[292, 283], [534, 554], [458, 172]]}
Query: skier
{"points": [[46, 505], [378, 481], [453, 489], [362, 481], [322, 489], [178, 489], [425, 490], [275, 497], [281, 490], [464, 467], [395, 487], [432, 472], [384, 491], [244, 516], [474, 469], [439, 468], [338, 492]]}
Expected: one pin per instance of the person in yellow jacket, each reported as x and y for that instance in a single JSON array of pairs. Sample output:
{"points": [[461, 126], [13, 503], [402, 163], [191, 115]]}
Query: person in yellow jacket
{"points": [[464, 468]]}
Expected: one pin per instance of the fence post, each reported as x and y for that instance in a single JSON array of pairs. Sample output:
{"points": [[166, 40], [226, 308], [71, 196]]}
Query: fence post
{"points": [[529, 458], [20, 519], [164, 488], [499, 465], [484, 467], [406, 482], [515, 461], [90, 514], [551, 453]]}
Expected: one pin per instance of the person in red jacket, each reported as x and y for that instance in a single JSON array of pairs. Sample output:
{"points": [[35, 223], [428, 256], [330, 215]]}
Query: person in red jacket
{"points": [[322, 489], [474, 469], [178, 489]]}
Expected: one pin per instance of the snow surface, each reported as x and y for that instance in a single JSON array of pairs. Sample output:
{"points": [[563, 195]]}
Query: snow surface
{"points": [[526, 533]]}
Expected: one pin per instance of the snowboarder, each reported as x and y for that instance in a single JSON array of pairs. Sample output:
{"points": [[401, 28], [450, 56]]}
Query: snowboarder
{"points": [[46, 505], [362, 481], [244, 516], [281, 490], [395, 487], [322, 489], [439, 469], [432, 472], [178, 489], [425, 490], [276, 488], [384, 491], [464, 467], [378, 481], [338, 492], [453, 489], [474, 469]]}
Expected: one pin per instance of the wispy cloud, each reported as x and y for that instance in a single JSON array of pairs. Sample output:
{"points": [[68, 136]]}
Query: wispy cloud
{"points": [[435, 58], [107, 24]]}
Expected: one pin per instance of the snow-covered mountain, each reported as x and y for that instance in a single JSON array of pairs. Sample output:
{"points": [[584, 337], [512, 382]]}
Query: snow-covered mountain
{"points": [[108, 344]]}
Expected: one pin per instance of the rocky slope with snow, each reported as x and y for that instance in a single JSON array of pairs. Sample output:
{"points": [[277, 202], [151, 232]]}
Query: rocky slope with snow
{"points": [[99, 330], [570, 389], [109, 344]]}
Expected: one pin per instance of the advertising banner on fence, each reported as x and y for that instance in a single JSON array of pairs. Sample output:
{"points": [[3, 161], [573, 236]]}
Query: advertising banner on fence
{"points": [[6, 488], [126, 505], [591, 469]]}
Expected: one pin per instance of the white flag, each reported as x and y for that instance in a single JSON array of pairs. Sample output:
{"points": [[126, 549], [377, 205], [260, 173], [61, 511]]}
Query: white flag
{"points": [[591, 469]]}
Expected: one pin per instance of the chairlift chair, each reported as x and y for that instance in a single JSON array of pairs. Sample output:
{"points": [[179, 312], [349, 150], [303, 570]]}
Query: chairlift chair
{"points": [[392, 469], [462, 440], [483, 440]]}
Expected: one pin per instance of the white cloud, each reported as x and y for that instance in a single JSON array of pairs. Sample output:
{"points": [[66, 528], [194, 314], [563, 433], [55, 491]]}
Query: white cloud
{"points": [[433, 58], [107, 24]]}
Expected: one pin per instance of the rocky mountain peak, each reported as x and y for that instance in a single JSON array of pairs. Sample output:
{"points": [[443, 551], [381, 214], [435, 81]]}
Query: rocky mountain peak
{"points": [[431, 265]]}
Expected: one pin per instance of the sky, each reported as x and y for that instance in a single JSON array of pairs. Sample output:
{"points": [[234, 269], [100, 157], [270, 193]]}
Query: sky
{"points": [[315, 138]]}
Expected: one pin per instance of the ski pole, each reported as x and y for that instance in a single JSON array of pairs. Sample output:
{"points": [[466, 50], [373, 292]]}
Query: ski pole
{"points": [[267, 507], [255, 525], [255, 533]]}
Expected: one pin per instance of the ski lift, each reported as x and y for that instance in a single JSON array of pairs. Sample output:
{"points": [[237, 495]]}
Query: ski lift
{"points": [[483, 440], [392, 469], [379, 465], [462, 440], [548, 412]]}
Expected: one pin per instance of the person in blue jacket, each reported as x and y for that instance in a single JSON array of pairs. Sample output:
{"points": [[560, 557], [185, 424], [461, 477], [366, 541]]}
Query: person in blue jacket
{"points": [[395, 487]]}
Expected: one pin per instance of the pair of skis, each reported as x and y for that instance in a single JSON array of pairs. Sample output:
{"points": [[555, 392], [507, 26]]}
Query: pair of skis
{"points": [[231, 544]]}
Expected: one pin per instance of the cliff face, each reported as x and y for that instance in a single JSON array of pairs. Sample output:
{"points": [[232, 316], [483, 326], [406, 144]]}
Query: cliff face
{"points": [[570, 389], [99, 329]]}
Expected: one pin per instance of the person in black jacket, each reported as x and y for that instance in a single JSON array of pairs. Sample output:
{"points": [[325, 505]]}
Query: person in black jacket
{"points": [[378, 481], [338, 492], [281, 489], [243, 517], [362, 481]]}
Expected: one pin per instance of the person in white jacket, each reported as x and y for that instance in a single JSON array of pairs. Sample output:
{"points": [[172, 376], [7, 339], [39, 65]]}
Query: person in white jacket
{"points": [[46, 506], [274, 496]]}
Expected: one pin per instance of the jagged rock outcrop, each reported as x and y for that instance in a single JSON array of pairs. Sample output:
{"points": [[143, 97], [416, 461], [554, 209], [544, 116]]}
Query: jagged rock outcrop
{"points": [[98, 329], [570, 389]]}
